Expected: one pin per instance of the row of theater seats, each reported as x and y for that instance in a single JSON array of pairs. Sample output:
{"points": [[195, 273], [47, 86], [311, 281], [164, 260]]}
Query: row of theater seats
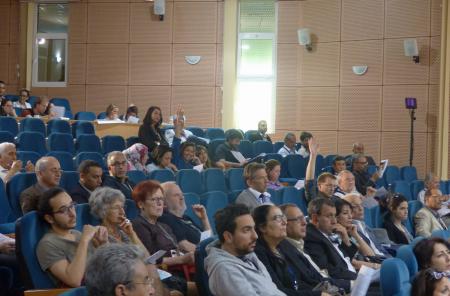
{"points": [[61, 102]]}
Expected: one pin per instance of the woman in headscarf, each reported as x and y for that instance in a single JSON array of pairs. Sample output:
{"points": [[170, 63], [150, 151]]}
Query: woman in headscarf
{"points": [[136, 156]]}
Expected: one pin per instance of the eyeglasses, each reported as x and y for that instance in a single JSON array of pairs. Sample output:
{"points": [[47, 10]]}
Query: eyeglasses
{"points": [[147, 281], [119, 163], [279, 218], [65, 210], [436, 274], [118, 208], [156, 199], [297, 219], [56, 171]]}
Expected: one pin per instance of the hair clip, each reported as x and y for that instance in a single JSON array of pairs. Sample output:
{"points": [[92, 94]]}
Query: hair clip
{"points": [[438, 275]]}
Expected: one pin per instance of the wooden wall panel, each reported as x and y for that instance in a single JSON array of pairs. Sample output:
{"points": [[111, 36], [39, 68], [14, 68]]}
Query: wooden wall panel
{"points": [[368, 53], [321, 66], [107, 64], [407, 18], [220, 22], [145, 27], [203, 73], [108, 23], [78, 22], [360, 108], [198, 103], [399, 69], [436, 17], [288, 105], [195, 22], [13, 58], [433, 107], [317, 108], [395, 116], [435, 59], [145, 96], [323, 17], [288, 65], [4, 23], [98, 97], [14, 17], [4, 65], [218, 107], [327, 140], [432, 143], [219, 64], [288, 21], [371, 142], [362, 19], [150, 64], [76, 94], [77, 63]]}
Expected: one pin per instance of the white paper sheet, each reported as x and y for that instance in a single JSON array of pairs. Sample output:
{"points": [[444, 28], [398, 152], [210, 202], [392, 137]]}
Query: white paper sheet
{"points": [[205, 234], [238, 155], [163, 274], [383, 165], [300, 184], [4, 238], [155, 257], [199, 168]]}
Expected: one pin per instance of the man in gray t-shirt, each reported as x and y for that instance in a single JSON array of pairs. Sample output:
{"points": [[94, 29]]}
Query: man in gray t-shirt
{"points": [[63, 251]]}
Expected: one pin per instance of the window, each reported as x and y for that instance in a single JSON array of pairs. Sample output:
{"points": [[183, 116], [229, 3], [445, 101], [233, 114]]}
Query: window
{"points": [[256, 77], [50, 45]]}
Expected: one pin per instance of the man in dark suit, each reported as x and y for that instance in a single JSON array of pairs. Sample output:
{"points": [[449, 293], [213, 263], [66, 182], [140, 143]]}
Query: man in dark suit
{"points": [[324, 248], [90, 178]]}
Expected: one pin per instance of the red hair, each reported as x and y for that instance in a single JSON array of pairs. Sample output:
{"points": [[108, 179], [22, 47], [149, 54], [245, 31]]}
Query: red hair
{"points": [[144, 189]]}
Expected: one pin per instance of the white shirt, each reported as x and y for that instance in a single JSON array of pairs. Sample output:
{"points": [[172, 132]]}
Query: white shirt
{"points": [[170, 134], [257, 195], [303, 152], [284, 151], [361, 228], [298, 244], [16, 104], [3, 173]]}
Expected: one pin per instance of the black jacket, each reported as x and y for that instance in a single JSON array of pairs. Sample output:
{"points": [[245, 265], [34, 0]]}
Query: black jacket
{"points": [[126, 187], [325, 255], [394, 234], [79, 194], [149, 137]]}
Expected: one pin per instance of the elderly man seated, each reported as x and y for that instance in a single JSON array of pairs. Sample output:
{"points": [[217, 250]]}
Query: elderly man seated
{"points": [[9, 164], [48, 173], [427, 218], [186, 231], [117, 178]]}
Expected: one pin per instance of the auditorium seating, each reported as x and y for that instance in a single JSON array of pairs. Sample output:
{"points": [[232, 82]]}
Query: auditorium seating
{"points": [[402, 187], [65, 159], [197, 131], [213, 201], [61, 142], [31, 141], [58, 126], [189, 181], [88, 143], [214, 133], [162, 175], [112, 143], [26, 156], [6, 136], [391, 174], [406, 254], [213, 180], [201, 277], [33, 125], [295, 196], [192, 199], [394, 278], [85, 115], [246, 148]]}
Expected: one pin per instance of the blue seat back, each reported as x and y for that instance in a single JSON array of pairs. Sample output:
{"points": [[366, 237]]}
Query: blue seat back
{"points": [[416, 187], [277, 146], [233, 194], [136, 176], [14, 188], [61, 142], [32, 141], [197, 131], [26, 156], [113, 143], [235, 179], [6, 136], [65, 159], [262, 147], [408, 173], [84, 115], [212, 146], [296, 166], [391, 174], [214, 180], [29, 231], [101, 115], [201, 277], [162, 176], [328, 160], [445, 234], [213, 201], [69, 180], [275, 156], [132, 140], [88, 143], [246, 148], [215, 133], [58, 126], [403, 188], [295, 196], [406, 254], [276, 196], [394, 278], [5, 209], [82, 128], [62, 102], [12, 98], [189, 181], [32, 124], [413, 207], [95, 156], [192, 199]]}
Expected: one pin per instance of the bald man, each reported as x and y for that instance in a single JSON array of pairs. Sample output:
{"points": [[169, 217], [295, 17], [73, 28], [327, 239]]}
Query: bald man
{"points": [[48, 173], [186, 231]]}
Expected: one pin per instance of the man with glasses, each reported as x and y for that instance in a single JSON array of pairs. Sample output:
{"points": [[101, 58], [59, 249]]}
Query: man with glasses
{"points": [[63, 251], [326, 182], [117, 179], [363, 180], [255, 176], [48, 173], [321, 243], [296, 232], [119, 269], [427, 219]]}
